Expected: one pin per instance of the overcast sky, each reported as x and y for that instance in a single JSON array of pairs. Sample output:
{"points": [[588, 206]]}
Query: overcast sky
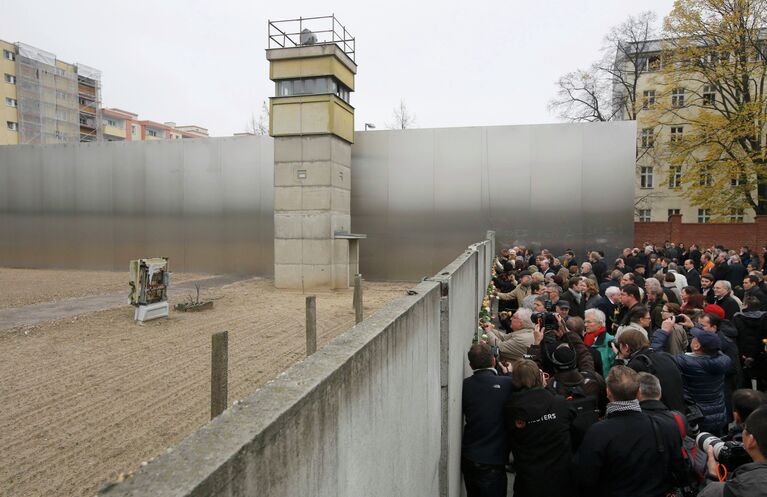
{"points": [[469, 63]]}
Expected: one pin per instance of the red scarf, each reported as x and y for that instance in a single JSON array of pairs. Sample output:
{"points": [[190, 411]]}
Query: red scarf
{"points": [[590, 337]]}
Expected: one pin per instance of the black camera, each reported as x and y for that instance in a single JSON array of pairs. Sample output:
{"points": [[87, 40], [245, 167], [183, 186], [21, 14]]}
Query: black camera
{"points": [[546, 319], [679, 319], [730, 454]]}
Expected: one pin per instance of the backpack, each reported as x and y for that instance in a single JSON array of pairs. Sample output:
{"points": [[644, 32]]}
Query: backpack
{"points": [[585, 408], [689, 482]]}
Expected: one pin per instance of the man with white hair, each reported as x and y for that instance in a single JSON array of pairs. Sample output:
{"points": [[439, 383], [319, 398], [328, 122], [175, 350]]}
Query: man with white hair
{"points": [[680, 280], [513, 346], [608, 304], [724, 299]]}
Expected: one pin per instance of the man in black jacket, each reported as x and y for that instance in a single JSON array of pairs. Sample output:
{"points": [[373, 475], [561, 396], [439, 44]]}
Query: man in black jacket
{"points": [[692, 274], [575, 296], [628, 454], [484, 451], [723, 298], [751, 287], [634, 351]]}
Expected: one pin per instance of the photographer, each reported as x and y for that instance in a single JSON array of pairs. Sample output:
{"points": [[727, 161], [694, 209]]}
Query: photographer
{"points": [[749, 479], [539, 435], [744, 402], [514, 345], [547, 337]]}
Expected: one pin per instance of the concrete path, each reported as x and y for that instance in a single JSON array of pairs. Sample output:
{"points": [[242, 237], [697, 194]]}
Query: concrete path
{"points": [[49, 311]]}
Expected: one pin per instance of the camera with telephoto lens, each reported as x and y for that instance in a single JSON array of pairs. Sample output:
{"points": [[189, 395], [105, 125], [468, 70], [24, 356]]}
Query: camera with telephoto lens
{"points": [[730, 454], [547, 319]]}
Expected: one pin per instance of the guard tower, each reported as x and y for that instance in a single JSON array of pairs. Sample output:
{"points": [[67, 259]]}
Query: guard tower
{"points": [[312, 63]]}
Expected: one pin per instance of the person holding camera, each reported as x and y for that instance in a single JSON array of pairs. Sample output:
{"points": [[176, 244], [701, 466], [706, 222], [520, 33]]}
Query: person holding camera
{"points": [[703, 372], [484, 450], [633, 350], [514, 345], [539, 435], [548, 336], [750, 479]]}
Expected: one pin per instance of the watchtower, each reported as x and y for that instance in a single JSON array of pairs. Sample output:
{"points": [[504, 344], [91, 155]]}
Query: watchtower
{"points": [[312, 63]]}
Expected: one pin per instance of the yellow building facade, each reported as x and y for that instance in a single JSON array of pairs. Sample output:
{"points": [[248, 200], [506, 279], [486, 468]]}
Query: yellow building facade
{"points": [[9, 117], [665, 110]]}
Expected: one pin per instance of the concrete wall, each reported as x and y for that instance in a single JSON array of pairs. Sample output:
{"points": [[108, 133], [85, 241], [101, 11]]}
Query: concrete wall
{"points": [[377, 412], [206, 204]]}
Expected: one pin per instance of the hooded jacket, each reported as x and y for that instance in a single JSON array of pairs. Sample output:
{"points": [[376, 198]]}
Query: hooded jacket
{"points": [[538, 424], [748, 480]]}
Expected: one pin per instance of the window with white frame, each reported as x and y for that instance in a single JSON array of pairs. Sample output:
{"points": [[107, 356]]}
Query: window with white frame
{"points": [[10, 79], [737, 215], [705, 177], [674, 212], [111, 122], [11, 102], [677, 97], [8, 55], [675, 177], [648, 137], [704, 215], [708, 95], [648, 99], [676, 134], [644, 215], [13, 126], [738, 180], [645, 177]]}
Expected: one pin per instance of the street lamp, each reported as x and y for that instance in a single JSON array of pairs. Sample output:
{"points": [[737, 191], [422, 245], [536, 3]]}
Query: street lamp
{"points": [[369, 125]]}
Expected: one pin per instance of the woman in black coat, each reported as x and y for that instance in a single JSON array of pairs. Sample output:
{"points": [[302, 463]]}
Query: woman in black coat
{"points": [[538, 424]]}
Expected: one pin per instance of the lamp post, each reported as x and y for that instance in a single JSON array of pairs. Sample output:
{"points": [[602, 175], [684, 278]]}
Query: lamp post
{"points": [[369, 125]]}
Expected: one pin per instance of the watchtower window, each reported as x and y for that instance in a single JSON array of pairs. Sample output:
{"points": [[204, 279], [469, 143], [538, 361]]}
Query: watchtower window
{"points": [[312, 86]]}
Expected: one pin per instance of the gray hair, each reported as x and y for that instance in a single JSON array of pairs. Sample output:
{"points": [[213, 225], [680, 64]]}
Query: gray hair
{"points": [[655, 285], [612, 290], [525, 315], [598, 315], [726, 284], [586, 265], [649, 386]]}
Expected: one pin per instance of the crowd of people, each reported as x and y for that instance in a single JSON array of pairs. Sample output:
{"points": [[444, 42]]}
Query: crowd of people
{"points": [[639, 377]]}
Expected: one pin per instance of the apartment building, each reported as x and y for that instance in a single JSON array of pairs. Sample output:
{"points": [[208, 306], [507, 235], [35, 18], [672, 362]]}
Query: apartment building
{"points": [[658, 190], [46, 100], [121, 125]]}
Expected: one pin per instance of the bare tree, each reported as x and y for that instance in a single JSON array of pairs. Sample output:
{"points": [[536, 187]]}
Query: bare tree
{"points": [[259, 126], [607, 90], [403, 118]]}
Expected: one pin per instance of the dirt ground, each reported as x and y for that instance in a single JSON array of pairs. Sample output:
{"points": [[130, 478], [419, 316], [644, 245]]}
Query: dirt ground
{"points": [[22, 287], [87, 398]]}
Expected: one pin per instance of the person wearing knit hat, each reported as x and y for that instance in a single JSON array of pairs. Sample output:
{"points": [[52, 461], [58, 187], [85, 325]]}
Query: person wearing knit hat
{"points": [[714, 309]]}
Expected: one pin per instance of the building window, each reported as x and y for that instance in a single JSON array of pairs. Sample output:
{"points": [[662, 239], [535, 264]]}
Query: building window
{"points": [[704, 215], [675, 177], [9, 55], [13, 126], [645, 177], [644, 215], [151, 132], [312, 86], [10, 79], [111, 122], [648, 138], [705, 177], [676, 134], [736, 215], [677, 97], [674, 212], [11, 102], [738, 180], [709, 95], [648, 99]]}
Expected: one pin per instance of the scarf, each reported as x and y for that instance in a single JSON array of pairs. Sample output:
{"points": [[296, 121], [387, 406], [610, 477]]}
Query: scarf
{"points": [[623, 406], [590, 337]]}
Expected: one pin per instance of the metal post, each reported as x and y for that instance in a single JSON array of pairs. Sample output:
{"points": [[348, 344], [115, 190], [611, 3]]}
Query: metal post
{"points": [[311, 325], [358, 298], [219, 373]]}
